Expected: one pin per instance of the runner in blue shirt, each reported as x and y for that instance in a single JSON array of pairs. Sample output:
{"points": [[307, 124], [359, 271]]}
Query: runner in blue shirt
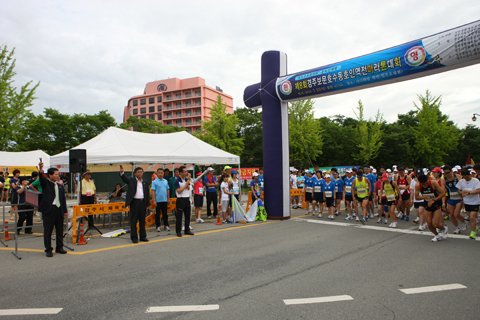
{"points": [[318, 193], [349, 195], [308, 189], [329, 195], [339, 191], [373, 180], [260, 177]]}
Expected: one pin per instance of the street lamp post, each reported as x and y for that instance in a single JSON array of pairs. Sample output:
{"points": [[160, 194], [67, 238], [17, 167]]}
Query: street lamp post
{"points": [[475, 118]]}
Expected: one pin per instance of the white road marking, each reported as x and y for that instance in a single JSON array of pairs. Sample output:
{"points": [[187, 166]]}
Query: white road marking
{"points": [[444, 287], [184, 308], [317, 300], [22, 312], [378, 228]]}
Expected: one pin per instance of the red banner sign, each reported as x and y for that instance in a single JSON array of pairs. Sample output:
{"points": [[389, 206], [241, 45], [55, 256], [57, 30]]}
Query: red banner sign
{"points": [[246, 173]]}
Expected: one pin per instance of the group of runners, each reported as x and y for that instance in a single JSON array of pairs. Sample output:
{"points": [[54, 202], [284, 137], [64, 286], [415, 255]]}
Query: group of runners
{"points": [[438, 194]]}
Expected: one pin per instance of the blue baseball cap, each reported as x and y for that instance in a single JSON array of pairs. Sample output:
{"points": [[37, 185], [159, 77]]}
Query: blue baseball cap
{"points": [[233, 171]]}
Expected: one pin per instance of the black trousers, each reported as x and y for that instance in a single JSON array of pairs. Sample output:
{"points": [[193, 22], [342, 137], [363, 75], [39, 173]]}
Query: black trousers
{"points": [[183, 208], [88, 200], [137, 213], [212, 196], [51, 219], [161, 208], [25, 215]]}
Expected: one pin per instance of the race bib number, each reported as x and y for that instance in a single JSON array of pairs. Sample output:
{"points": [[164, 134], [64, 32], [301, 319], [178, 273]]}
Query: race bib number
{"points": [[261, 184], [89, 193], [318, 189], [200, 190], [308, 189], [336, 188], [361, 191], [235, 190], [455, 195], [430, 196], [348, 189], [390, 197], [328, 194]]}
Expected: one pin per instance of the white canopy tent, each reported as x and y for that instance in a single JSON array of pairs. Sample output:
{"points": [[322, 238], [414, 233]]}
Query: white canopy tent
{"points": [[23, 161], [116, 145]]}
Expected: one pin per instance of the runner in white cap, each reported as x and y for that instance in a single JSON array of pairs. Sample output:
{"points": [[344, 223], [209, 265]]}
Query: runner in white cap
{"points": [[348, 193], [329, 196]]}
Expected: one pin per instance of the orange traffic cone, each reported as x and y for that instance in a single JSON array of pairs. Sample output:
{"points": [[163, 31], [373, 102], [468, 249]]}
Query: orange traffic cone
{"points": [[82, 236], [219, 222], [7, 238]]}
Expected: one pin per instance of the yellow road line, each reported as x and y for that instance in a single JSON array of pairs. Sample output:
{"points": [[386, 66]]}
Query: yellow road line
{"points": [[143, 243]]}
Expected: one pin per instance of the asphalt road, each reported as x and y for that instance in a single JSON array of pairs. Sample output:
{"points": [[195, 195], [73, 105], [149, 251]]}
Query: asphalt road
{"points": [[247, 271]]}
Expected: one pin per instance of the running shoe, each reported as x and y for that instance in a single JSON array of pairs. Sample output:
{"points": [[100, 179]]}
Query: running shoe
{"points": [[425, 225], [463, 227], [224, 222], [407, 218], [457, 230], [399, 215], [349, 217], [463, 210], [294, 207], [357, 219], [200, 220], [386, 221], [379, 220], [476, 230], [437, 238], [362, 221], [473, 236], [372, 215], [158, 229], [445, 232], [319, 215], [354, 215], [403, 216], [394, 224], [416, 220], [336, 212], [466, 218], [421, 228], [446, 218], [167, 228], [333, 217]]}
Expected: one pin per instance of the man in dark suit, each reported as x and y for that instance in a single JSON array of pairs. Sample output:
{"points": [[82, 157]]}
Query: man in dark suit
{"points": [[138, 199], [53, 207]]}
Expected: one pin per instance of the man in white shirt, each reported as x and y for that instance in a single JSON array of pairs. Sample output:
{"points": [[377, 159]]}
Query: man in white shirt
{"points": [[470, 189], [183, 206]]}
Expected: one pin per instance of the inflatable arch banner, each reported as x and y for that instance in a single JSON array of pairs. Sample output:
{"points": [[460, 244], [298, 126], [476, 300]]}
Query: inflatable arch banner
{"points": [[452, 49]]}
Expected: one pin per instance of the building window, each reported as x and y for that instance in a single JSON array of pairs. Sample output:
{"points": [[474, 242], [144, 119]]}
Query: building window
{"points": [[178, 96], [178, 122], [188, 122], [159, 107], [198, 102], [152, 116], [198, 112], [159, 99], [135, 111], [159, 116], [178, 105], [198, 121], [169, 123], [135, 103], [169, 106], [188, 94], [143, 110], [178, 114], [169, 97], [188, 103], [151, 109], [169, 114], [151, 100], [143, 117], [197, 93], [143, 101], [188, 113]]}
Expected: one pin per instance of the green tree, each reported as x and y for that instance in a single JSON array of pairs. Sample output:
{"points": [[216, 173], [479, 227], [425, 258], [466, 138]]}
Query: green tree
{"points": [[87, 126], [221, 130], [369, 136], [250, 128], [14, 104], [305, 134], [433, 133], [148, 126]]}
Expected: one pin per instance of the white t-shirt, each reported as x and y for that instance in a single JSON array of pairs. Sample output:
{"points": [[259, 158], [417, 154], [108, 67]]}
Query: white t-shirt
{"points": [[412, 186], [471, 185], [225, 196], [293, 180]]}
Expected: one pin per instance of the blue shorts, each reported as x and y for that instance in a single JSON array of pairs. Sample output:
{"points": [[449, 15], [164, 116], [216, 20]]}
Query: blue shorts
{"points": [[453, 203]]}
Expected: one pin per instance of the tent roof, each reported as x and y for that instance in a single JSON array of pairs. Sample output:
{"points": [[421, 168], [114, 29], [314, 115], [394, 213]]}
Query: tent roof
{"points": [[24, 158], [116, 145]]}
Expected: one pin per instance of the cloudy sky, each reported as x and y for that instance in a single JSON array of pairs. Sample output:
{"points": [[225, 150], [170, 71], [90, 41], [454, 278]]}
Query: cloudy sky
{"points": [[94, 55]]}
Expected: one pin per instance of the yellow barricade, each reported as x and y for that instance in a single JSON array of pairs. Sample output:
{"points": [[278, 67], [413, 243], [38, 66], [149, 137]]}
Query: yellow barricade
{"points": [[107, 208]]}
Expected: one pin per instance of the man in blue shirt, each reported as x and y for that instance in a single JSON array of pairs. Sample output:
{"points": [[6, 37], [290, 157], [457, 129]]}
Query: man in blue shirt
{"points": [[211, 183], [308, 189], [161, 199], [260, 177]]}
